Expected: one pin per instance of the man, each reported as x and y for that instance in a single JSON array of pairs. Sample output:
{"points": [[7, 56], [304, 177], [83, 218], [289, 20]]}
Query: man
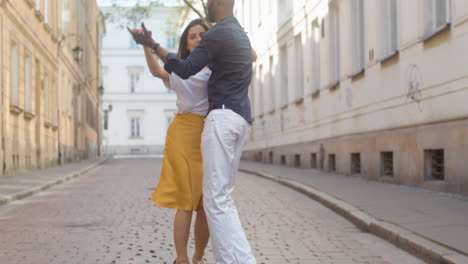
{"points": [[226, 49]]}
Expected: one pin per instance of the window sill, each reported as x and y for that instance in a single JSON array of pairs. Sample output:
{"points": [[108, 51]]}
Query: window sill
{"points": [[15, 109], [299, 101], [357, 74], [430, 35], [390, 56], [334, 85], [135, 138], [28, 115], [48, 28], [39, 15], [30, 3], [54, 37], [315, 93]]}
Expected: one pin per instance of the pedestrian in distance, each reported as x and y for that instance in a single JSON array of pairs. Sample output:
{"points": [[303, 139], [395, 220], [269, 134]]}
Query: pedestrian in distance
{"points": [[180, 183]]}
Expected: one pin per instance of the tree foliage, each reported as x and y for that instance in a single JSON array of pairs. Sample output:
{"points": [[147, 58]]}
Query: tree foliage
{"points": [[123, 15]]}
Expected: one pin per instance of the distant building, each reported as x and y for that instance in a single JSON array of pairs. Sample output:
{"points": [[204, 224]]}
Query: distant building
{"points": [[362, 87], [137, 107], [50, 78]]}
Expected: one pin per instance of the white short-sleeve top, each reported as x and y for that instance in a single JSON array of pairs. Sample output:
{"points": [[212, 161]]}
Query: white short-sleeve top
{"points": [[192, 93]]}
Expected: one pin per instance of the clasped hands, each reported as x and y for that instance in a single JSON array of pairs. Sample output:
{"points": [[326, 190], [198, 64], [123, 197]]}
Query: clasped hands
{"points": [[142, 36]]}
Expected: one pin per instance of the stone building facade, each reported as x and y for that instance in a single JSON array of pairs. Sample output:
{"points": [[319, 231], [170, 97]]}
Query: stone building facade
{"points": [[50, 82], [377, 89]]}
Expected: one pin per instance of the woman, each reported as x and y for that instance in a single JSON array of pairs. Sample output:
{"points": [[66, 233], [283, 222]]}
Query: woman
{"points": [[180, 183]]}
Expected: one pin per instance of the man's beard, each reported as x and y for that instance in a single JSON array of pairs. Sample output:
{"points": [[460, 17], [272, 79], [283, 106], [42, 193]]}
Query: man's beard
{"points": [[211, 16]]}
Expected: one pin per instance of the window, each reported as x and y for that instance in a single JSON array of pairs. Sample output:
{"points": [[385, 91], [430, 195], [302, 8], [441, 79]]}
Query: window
{"points": [[252, 91], [46, 11], [106, 119], [70, 98], [65, 15], [133, 44], [261, 99], [284, 75], [135, 127], [78, 108], [357, 33], [135, 117], [315, 57], [27, 83], [436, 17], [299, 91], [389, 28], [170, 118], [64, 95], [171, 42], [271, 85], [134, 82], [14, 75], [334, 43]]}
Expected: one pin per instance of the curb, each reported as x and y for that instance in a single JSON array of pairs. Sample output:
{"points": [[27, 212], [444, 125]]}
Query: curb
{"points": [[26, 193], [417, 245]]}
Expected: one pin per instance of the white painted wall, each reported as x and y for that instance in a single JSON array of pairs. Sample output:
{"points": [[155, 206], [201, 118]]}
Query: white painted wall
{"points": [[151, 101]]}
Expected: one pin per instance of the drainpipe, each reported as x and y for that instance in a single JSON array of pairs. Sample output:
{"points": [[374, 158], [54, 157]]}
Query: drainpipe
{"points": [[98, 93], [3, 93]]}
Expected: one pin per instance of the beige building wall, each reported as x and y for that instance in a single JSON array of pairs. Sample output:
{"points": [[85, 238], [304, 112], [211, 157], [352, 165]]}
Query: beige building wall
{"points": [[38, 74], [372, 88]]}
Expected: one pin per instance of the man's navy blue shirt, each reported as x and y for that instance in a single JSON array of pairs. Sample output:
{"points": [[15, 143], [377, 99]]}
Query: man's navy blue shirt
{"points": [[226, 49]]}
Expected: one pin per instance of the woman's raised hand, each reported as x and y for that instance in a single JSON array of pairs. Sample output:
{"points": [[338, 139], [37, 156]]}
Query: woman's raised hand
{"points": [[142, 36]]}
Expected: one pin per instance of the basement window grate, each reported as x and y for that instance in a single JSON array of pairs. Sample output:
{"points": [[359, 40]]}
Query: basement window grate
{"points": [[331, 162], [386, 164], [434, 165], [313, 160], [297, 161], [355, 163], [283, 160]]}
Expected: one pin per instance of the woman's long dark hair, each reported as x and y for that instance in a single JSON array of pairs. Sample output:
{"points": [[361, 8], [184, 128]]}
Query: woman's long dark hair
{"points": [[183, 51]]}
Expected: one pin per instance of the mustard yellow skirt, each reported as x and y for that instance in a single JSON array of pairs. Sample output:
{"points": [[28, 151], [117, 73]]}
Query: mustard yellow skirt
{"points": [[180, 183]]}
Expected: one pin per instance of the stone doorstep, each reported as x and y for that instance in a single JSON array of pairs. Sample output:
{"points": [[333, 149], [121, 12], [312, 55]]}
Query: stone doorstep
{"points": [[417, 245], [35, 189]]}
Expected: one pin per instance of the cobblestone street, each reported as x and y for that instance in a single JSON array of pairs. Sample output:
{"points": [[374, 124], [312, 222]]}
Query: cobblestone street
{"points": [[105, 217]]}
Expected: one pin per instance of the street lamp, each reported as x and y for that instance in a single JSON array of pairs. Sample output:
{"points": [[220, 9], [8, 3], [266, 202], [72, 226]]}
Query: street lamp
{"points": [[77, 53]]}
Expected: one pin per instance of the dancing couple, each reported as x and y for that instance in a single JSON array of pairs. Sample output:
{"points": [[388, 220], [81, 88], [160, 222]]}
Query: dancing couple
{"points": [[210, 75]]}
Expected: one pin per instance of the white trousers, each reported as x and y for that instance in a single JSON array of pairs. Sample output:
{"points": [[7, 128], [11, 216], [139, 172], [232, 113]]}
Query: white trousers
{"points": [[224, 136]]}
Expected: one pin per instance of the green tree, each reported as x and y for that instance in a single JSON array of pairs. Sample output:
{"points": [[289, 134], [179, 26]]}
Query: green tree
{"points": [[124, 15]]}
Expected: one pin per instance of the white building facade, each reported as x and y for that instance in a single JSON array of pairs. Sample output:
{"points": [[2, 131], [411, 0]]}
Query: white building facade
{"points": [[137, 107], [372, 88]]}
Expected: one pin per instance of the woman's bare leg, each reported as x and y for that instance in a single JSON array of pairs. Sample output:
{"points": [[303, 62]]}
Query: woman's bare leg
{"points": [[202, 234], [182, 223]]}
